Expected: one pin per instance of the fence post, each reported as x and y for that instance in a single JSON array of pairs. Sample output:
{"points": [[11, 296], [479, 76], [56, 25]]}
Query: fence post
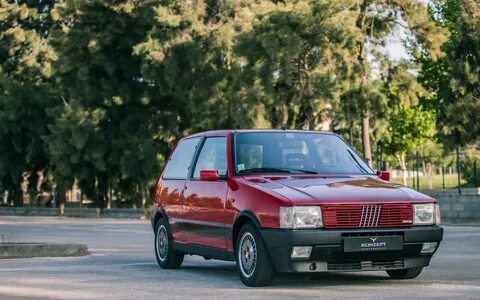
{"points": [[413, 175], [418, 179], [378, 155], [458, 170], [443, 177], [475, 173]]}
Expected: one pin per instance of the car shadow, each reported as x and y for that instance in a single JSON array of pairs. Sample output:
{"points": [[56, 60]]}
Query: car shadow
{"points": [[222, 272], [329, 279]]}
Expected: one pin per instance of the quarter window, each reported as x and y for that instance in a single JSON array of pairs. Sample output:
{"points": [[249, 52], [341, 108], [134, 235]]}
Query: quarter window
{"points": [[179, 163]]}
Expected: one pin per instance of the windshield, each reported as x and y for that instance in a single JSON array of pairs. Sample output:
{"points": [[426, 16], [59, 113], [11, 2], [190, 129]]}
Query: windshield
{"points": [[295, 152]]}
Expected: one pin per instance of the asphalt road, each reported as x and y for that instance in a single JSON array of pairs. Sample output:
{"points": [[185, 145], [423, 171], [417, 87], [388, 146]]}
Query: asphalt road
{"points": [[122, 266]]}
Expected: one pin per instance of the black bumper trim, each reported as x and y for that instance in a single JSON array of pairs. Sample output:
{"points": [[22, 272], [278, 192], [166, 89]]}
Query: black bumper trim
{"points": [[328, 248]]}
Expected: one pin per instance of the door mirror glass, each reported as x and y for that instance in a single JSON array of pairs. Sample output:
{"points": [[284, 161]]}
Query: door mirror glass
{"points": [[384, 175], [209, 175]]}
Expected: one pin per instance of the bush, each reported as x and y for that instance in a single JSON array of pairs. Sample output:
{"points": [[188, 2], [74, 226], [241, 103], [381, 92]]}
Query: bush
{"points": [[467, 168]]}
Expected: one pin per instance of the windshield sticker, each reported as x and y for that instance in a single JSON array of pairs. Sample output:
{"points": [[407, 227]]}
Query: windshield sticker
{"points": [[241, 167]]}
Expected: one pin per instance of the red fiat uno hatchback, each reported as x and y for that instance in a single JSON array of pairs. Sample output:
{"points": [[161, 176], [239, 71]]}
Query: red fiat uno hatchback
{"points": [[288, 201]]}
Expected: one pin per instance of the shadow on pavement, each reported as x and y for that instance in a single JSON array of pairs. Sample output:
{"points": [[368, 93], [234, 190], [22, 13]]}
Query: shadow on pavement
{"points": [[220, 273]]}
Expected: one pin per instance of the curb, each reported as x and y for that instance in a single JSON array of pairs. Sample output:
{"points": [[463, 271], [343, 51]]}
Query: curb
{"points": [[23, 250], [76, 212]]}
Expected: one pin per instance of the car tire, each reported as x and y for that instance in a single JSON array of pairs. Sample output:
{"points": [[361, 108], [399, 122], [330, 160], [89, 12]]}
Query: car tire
{"points": [[253, 262], [405, 273], [167, 257]]}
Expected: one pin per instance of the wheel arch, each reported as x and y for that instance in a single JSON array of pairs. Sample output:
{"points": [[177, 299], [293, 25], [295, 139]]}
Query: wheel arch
{"points": [[242, 218], [159, 214]]}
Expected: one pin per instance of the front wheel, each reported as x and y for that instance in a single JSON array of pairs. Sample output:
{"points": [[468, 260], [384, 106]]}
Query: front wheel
{"points": [[167, 257], [253, 261], [405, 273]]}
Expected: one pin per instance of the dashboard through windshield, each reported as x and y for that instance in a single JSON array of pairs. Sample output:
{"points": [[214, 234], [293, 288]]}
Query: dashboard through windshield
{"points": [[295, 152]]}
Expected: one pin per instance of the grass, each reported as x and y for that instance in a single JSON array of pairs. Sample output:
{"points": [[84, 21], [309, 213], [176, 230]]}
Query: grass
{"points": [[451, 181]]}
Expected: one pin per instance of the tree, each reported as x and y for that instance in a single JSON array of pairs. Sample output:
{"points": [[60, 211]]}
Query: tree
{"points": [[22, 124], [299, 56], [103, 134], [25, 73], [454, 81], [409, 124], [376, 20], [190, 66]]}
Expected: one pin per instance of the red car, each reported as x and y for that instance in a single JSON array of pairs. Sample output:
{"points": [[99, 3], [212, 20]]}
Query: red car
{"points": [[288, 201]]}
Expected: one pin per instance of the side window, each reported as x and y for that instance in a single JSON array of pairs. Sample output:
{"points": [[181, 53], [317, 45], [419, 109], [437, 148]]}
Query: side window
{"points": [[213, 156], [179, 162]]}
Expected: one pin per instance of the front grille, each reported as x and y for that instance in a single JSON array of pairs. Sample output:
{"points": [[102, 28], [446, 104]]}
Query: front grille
{"points": [[365, 265], [367, 215]]}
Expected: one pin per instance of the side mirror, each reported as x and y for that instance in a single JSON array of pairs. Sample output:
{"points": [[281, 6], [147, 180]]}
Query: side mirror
{"points": [[209, 175], [384, 175]]}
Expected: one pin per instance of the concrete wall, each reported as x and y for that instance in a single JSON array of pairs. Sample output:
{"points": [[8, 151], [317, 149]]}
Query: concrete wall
{"points": [[455, 206], [72, 212]]}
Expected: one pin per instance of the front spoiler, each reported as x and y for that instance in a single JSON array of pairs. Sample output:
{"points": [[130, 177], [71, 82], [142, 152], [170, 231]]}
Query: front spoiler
{"points": [[328, 255]]}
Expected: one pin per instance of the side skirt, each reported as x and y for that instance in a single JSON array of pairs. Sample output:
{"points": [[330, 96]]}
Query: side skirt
{"points": [[214, 253]]}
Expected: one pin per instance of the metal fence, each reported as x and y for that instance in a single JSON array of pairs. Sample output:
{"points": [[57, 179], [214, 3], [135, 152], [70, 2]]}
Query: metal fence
{"points": [[453, 170]]}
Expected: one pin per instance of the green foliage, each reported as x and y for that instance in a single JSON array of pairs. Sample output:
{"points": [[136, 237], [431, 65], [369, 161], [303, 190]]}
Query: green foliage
{"points": [[25, 54], [455, 79], [102, 134], [300, 55], [99, 91], [467, 168], [192, 45], [25, 69], [409, 124], [409, 127]]}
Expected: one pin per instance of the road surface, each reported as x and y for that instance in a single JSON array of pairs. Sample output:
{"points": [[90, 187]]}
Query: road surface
{"points": [[123, 266]]}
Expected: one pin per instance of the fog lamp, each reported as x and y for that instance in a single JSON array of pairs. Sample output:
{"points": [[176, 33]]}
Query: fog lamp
{"points": [[429, 248], [301, 252]]}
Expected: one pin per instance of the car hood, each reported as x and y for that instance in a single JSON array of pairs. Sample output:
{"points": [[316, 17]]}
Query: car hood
{"points": [[326, 189]]}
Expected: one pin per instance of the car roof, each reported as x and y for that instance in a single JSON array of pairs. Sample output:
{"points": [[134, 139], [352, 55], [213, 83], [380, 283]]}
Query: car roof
{"points": [[225, 132]]}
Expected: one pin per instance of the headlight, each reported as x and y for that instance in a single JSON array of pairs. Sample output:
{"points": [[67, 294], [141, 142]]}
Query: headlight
{"points": [[301, 217], [424, 214]]}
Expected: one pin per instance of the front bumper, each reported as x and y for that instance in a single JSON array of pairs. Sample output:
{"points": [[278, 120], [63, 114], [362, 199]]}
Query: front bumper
{"points": [[328, 251]]}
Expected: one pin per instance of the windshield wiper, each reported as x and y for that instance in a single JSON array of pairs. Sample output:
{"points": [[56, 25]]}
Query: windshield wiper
{"points": [[279, 170]]}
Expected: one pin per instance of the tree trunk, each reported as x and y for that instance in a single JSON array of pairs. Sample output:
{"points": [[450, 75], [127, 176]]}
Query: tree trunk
{"points": [[350, 133], [367, 150], [430, 175], [61, 197], [18, 197], [101, 193], [401, 160], [304, 118], [144, 196]]}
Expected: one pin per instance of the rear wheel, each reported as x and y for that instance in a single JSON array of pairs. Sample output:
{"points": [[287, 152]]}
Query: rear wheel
{"points": [[253, 262], [167, 257], [405, 273]]}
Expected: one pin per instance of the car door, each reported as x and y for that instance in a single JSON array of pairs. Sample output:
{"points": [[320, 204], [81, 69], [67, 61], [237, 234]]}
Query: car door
{"points": [[172, 182], [204, 201]]}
